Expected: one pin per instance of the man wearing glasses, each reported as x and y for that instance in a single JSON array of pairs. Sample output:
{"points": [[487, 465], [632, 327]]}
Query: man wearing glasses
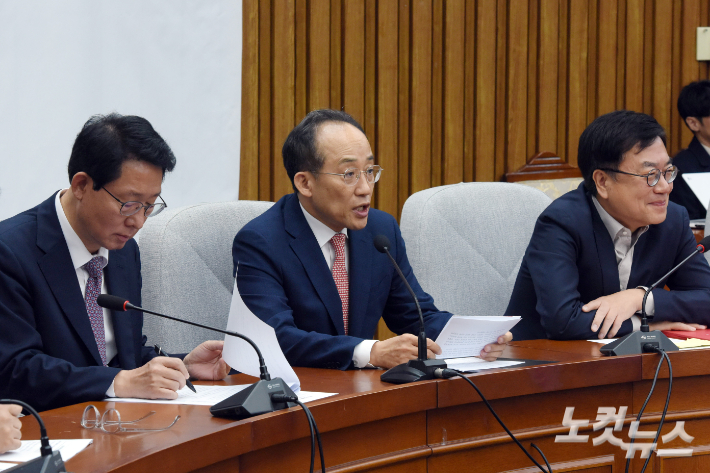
{"points": [[595, 249], [308, 266], [57, 346]]}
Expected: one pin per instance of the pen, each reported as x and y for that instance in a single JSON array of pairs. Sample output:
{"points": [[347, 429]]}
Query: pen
{"points": [[160, 352]]}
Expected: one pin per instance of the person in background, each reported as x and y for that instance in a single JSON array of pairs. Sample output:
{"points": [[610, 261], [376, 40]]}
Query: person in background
{"points": [[694, 108]]}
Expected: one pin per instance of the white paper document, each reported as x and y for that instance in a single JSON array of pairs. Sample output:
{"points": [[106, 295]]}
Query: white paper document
{"points": [[241, 356], [30, 449], [5, 466], [699, 183], [464, 336], [211, 395], [471, 363]]}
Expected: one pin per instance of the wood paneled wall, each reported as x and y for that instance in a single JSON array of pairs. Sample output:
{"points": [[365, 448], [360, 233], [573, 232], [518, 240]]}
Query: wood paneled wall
{"points": [[458, 90]]}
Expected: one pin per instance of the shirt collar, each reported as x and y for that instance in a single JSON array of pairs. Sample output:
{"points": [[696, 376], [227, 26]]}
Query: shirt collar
{"points": [[78, 252], [612, 226], [322, 232]]}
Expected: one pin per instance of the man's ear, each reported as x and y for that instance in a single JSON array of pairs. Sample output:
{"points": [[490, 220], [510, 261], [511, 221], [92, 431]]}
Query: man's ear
{"points": [[81, 183], [304, 183], [693, 123], [601, 179]]}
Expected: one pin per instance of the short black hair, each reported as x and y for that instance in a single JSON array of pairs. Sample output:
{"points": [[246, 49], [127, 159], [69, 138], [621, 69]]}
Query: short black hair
{"points": [[107, 141], [300, 150], [694, 100], [605, 141]]}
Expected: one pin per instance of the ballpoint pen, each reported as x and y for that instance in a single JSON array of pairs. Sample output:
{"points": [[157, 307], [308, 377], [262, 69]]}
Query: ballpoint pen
{"points": [[160, 352]]}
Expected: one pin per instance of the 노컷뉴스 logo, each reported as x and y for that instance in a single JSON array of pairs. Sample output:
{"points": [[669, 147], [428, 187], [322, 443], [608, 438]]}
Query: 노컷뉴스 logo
{"points": [[610, 421]]}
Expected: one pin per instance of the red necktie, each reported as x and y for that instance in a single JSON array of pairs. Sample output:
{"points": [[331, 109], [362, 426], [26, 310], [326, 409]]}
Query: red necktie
{"points": [[96, 313], [340, 275]]}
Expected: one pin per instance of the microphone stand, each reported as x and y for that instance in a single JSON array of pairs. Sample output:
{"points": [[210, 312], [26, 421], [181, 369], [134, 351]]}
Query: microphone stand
{"points": [[414, 370], [48, 461], [645, 340], [251, 401]]}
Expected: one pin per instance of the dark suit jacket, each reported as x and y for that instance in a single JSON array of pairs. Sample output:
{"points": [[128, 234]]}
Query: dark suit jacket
{"points": [[570, 261], [48, 354], [284, 279], [692, 159]]}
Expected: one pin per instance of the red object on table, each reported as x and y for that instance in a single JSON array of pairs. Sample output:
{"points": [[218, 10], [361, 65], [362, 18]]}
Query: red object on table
{"points": [[684, 335]]}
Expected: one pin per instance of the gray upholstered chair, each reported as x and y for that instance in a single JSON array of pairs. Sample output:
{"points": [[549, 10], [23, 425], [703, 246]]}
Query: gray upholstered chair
{"points": [[186, 259], [466, 242]]}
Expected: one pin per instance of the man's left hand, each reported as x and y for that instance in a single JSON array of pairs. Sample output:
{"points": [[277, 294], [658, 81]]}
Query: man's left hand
{"points": [[493, 350], [206, 362]]}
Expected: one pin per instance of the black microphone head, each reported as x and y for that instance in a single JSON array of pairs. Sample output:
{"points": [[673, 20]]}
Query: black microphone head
{"points": [[110, 302], [704, 244], [382, 243]]}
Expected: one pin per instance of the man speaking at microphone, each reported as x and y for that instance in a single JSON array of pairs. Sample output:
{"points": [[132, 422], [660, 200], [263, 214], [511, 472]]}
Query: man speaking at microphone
{"points": [[57, 346], [308, 266], [595, 250]]}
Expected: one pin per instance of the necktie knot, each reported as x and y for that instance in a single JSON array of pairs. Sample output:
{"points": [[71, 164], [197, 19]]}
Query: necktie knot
{"points": [[338, 242], [95, 266]]}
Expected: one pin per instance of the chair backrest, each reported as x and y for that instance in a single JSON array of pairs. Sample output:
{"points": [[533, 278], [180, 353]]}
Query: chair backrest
{"points": [[466, 242], [186, 259]]}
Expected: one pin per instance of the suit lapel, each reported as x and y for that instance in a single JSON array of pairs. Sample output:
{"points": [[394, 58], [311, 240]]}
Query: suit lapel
{"points": [[605, 252], [305, 246], [360, 253], [117, 285], [57, 267]]}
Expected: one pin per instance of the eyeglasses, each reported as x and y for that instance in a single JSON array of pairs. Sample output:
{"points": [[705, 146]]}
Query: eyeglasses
{"points": [[133, 207], [352, 175], [110, 422], [653, 176]]}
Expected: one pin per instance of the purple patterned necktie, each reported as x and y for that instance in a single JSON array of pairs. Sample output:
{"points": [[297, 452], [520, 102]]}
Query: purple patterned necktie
{"points": [[96, 313]]}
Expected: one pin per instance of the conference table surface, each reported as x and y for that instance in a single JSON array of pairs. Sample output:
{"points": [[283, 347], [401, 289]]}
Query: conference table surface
{"points": [[437, 425]]}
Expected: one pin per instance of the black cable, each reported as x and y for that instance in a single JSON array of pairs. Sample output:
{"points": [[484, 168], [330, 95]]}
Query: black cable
{"points": [[315, 427], [648, 398], [311, 425], [668, 399], [448, 373]]}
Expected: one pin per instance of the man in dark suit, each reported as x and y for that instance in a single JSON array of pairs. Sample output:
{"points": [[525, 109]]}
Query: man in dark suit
{"points": [[57, 346], [308, 266], [694, 107], [594, 249]]}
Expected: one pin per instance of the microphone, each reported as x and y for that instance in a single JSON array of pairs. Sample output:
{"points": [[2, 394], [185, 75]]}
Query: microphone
{"points": [[252, 401], [646, 341], [421, 368], [48, 462]]}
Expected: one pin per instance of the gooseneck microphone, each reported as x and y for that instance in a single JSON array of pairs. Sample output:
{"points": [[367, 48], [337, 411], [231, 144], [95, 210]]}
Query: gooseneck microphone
{"points": [[252, 401], [421, 368], [646, 341], [48, 461]]}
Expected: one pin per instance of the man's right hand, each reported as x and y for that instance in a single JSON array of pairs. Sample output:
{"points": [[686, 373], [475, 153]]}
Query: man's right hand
{"points": [[160, 378], [395, 351], [10, 426]]}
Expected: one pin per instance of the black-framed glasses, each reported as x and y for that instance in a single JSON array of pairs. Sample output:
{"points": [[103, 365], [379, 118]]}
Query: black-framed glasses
{"points": [[133, 207], [352, 175], [653, 176]]}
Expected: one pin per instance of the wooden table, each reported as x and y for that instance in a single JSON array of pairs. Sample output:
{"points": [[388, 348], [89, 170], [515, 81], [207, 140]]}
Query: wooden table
{"points": [[435, 426]]}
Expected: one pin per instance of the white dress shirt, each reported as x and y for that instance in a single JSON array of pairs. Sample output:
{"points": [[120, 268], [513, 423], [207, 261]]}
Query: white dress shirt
{"points": [[624, 243], [323, 234], [80, 256]]}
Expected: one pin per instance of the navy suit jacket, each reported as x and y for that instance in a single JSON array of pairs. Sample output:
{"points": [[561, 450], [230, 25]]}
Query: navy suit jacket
{"points": [[692, 159], [284, 279], [570, 261], [48, 354]]}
